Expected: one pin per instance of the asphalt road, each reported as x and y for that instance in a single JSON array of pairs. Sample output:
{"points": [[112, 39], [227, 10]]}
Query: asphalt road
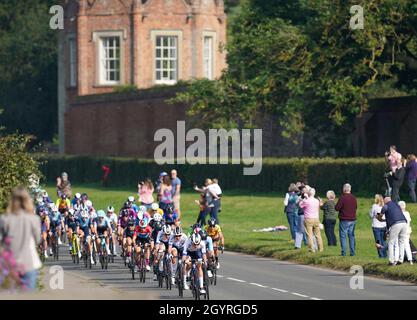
{"points": [[245, 277]]}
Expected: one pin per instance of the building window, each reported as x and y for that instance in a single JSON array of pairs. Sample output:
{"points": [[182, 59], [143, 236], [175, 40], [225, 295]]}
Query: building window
{"points": [[166, 60], [109, 60], [208, 58], [73, 61]]}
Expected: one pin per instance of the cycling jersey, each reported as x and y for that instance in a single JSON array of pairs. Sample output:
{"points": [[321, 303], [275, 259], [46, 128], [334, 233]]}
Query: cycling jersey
{"points": [[143, 233], [179, 242], [113, 221], [102, 226], [214, 233], [156, 227], [55, 221], [170, 218], [63, 204], [72, 223], [162, 238], [193, 251], [209, 244], [85, 226]]}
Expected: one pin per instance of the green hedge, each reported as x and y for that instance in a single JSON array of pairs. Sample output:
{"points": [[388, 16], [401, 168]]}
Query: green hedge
{"points": [[365, 175]]}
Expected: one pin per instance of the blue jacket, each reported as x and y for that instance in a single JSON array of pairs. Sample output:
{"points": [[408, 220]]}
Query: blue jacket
{"points": [[393, 214]]}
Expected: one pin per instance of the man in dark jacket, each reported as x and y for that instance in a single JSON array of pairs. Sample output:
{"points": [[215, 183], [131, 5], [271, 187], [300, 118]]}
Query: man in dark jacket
{"points": [[346, 206], [397, 228], [397, 181]]}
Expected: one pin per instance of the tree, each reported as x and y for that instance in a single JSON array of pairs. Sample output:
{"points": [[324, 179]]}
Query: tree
{"points": [[16, 165], [299, 59], [28, 68]]}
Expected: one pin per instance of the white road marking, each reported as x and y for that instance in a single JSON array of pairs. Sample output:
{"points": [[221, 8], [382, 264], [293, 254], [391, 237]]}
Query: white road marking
{"points": [[238, 280], [300, 295], [258, 285], [312, 298], [219, 276], [280, 290]]}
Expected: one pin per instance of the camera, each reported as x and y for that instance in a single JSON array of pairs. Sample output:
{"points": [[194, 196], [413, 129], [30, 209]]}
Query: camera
{"points": [[387, 174]]}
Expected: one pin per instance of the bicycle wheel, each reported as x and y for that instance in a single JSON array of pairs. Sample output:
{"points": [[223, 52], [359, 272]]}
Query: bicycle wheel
{"points": [[180, 280], [133, 264]]}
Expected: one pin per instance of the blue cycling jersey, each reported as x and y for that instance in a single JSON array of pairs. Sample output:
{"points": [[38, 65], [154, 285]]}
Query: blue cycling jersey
{"points": [[85, 225]]}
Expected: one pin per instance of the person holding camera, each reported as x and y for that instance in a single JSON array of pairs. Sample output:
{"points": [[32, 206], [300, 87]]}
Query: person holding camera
{"points": [[145, 192], [393, 157], [397, 180]]}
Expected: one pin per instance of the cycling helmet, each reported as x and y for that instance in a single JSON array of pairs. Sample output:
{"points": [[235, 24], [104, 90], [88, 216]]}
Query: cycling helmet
{"points": [[140, 215], [212, 222], [143, 223], [101, 214], [203, 234], [170, 208], [178, 231], [39, 201], [88, 203], [63, 196], [196, 239], [127, 204], [131, 224], [71, 211], [110, 209], [45, 194], [157, 225], [155, 206], [167, 229], [157, 217], [53, 207], [131, 199], [196, 228], [77, 196], [84, 214], [64, 174], [142, 209]]}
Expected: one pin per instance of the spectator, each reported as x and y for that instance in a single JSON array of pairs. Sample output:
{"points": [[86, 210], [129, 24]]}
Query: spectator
{"points": [[165, 193], [379, 228], [210, 197], [176, 191], [411, 174], [63, 186], [145, 192], [329, 218], [105, 179], [216, 191], [291, 208], [397, 181], [393, 157], [347, 206], [21, 227], [300, 234], [407, 248], [311, 207], [397, 228]]}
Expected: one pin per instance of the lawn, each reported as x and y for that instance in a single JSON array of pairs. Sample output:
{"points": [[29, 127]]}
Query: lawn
{"points": [[243, 212]]}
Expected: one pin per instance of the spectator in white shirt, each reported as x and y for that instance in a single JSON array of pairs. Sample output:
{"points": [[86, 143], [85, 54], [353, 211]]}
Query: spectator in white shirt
{"points": [[407, 249], [379, 228]]}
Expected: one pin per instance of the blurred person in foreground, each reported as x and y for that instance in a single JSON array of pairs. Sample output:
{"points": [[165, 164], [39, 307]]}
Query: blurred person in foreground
{"points": [[21, 227]]}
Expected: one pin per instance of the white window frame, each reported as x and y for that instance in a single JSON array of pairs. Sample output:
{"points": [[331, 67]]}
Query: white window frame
{"points": [[166, 33], [212, 55], [72, 55], [98, 38]]}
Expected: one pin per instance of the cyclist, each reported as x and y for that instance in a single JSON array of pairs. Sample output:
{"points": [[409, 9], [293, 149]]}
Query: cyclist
{"points": [[76, 199], [56, 226], [71, 224], [176, 246], [215, 232], [170, 215], [156, 224], [142, 235], [194, 249], [102, 228], [122, 223], [131, 201], [45, 197], [112, 217], [63, 204], [45, 227], [128, 234], [155, 209], [161, 245], [84, 230]]}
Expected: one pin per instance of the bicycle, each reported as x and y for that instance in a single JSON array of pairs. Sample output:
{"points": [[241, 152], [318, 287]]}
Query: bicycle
{"points": [[86, 256], [179, 277], [141, 264], [195, 282], [167, 271], [75, 249], [54, 245], [132, 263], [103, 257], [94, 248]]}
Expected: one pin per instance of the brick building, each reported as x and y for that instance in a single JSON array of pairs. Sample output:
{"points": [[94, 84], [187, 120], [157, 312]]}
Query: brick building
{"points": [[143, 43]]}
